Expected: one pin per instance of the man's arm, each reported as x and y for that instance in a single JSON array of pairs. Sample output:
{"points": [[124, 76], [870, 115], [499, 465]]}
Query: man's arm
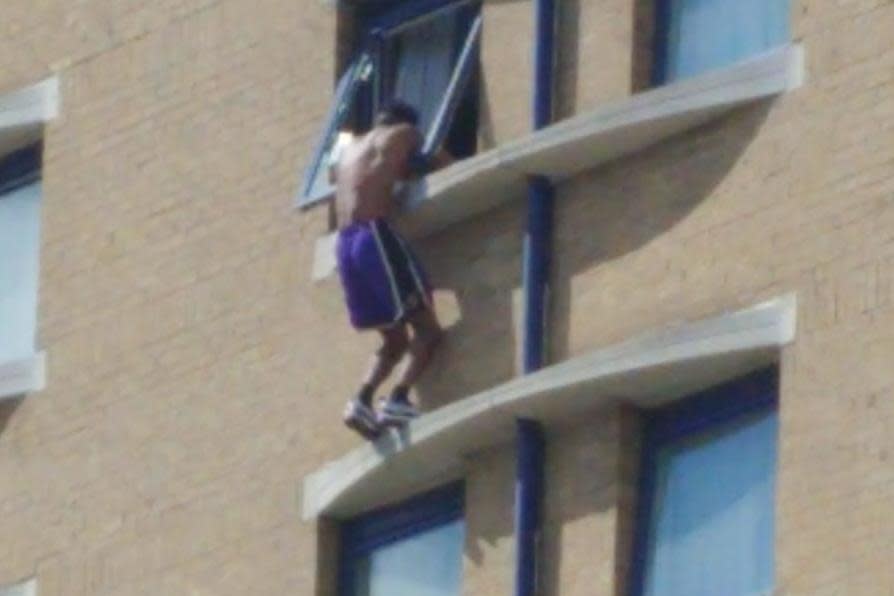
{"points": [[419, 164], [441, 159]]}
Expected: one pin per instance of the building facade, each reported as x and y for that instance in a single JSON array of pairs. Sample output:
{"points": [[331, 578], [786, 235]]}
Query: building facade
{"points": [[717, 396]]}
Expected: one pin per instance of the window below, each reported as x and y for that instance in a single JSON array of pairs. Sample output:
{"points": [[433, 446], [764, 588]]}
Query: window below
{"points": [[694, 36], [414, 548], [28, 588], [706, 523], [20, 193], [422, 53]]}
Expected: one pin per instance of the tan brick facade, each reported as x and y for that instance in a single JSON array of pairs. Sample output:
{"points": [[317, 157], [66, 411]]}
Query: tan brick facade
{"points": [[196, 374]]}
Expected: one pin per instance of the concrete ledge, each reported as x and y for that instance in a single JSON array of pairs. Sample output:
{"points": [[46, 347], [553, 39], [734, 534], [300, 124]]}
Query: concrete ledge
{"points": [[23, 112], [36, 104], [20, 377], [646, 371], [478, 184]]}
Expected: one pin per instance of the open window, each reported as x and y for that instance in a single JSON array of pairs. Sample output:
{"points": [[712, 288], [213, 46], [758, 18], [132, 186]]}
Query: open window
{"points": [[424, 53]]}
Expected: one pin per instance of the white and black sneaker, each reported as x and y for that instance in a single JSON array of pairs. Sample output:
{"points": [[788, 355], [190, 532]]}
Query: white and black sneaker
{"points": [[361, 418], [396, 412]]}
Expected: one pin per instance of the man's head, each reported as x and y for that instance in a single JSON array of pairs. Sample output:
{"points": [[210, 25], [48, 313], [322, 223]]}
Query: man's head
{"points": [[397, 112]]}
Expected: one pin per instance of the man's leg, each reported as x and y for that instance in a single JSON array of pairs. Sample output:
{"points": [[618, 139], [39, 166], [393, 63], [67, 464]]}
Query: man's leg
{"points": [[394, 346], [359, 413], [427, 334]]}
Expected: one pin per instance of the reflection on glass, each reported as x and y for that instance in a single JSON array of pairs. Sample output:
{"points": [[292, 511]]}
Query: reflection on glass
{"points": [[19, 255], [707, 34], [427, 564], [712, 518]]}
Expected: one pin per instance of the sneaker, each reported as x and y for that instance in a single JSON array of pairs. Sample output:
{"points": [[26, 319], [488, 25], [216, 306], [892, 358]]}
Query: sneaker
{"points": [[396, 413], [362, 419]]}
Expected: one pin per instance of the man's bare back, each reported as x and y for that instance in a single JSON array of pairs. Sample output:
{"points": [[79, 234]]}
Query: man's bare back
{"points": [[368, 170]]}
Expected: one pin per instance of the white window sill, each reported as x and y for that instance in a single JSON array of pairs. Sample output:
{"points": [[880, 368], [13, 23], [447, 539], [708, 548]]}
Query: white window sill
{"points": [[478, 184], [646, 371], [24, 112], [21, 377]]}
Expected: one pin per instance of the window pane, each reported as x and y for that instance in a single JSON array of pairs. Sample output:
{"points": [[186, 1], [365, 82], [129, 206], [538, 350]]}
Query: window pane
{"points": [[427, 564], [706, 34], [316, 182], [712, 518], [19, 255], [456, 90], [424, 65]]}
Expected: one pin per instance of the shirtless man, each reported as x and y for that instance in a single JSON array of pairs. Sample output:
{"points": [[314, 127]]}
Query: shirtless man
{"points": [[384, 285]]}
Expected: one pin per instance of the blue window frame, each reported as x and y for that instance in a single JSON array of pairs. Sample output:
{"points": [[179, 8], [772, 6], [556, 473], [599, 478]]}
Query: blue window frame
{"points": [[19, 251], [422, 52], [694, 36], [705, 512], [410, 549]]}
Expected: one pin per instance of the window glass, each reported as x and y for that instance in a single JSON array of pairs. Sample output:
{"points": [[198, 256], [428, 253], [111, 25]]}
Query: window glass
{"points": [[712, 518], [316, 181], [426, 564], [19, 267], [705, 34], [412, 548], [706, 501], [422, 62]]}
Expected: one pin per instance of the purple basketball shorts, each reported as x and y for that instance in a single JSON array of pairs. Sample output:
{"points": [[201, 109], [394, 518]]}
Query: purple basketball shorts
{"points": [[382, 280]]}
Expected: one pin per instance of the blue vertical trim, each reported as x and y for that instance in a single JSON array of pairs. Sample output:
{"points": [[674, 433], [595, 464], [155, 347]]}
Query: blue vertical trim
{"points": [[540, 195], [393, 523], [753, 393], [660, 41], [538, 242], [20, 168], [528, 494], [544, 62]]}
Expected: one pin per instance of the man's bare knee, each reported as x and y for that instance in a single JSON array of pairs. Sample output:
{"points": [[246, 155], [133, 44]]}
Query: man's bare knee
{"points": [[394, 346]]}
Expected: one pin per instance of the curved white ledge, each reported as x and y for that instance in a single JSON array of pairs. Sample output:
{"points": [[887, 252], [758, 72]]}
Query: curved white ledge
{"points": [[480, 183], [646, 371], [23, 112], [20, 377]]}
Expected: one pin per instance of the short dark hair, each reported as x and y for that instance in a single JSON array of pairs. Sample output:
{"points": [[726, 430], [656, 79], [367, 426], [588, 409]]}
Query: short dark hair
{"points": [[397, 112]]}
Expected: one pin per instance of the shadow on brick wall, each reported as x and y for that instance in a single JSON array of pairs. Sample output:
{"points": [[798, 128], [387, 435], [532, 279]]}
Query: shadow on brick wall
{"points": [[477, 265], [568, 57], [600, 217], [618, 209], [569, 50], [7, 409]]}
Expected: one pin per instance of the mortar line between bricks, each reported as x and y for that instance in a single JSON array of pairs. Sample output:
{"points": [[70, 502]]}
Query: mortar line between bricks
{"points": [[86, 59]]}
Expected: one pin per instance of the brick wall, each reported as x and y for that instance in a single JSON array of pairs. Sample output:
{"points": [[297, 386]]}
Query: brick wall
{"points": [[183, 337], [196, 374], [793, 195]]}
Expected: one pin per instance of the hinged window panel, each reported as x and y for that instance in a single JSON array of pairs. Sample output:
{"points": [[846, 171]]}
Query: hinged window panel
{"points": [[316, 184]]}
